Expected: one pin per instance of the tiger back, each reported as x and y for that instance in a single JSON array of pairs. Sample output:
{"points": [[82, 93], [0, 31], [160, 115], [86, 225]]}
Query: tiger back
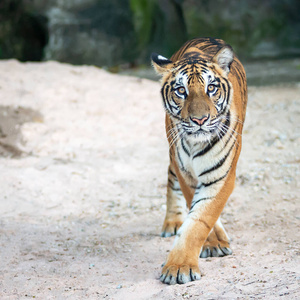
{"points": [[204, 93]]}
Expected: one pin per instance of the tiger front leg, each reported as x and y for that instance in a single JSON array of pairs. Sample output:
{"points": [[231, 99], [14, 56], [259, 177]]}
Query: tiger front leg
{"points": [[182, 262], [176, 206]]}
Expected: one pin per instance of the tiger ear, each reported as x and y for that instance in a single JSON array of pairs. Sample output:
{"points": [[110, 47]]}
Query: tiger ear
{"points": [[160, 63], [224, 58]]}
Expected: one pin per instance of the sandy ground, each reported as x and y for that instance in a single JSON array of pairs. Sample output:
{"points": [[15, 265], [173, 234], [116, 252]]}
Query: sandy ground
{"points": [[83, 180]]}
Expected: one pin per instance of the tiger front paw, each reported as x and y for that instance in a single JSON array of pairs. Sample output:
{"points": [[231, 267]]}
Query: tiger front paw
{"points": [[172, 274]]}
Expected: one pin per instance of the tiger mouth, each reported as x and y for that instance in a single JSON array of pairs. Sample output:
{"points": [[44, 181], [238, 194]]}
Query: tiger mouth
{"points": [[198, 131], [209, 129], [207, 133]]}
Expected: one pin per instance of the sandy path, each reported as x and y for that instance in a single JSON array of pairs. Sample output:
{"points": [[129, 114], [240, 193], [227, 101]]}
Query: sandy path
{"points": [[83, 174]]}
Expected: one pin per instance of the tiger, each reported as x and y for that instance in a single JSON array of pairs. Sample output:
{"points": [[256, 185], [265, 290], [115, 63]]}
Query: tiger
{"points": [[204, 92]]}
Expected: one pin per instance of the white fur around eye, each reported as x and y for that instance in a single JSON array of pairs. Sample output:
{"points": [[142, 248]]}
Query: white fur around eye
{"points": [[208, 78], [181, 81]]}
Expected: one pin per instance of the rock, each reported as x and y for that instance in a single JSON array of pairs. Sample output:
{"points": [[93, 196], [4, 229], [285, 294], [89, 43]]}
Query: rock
{"points": [[23, 32], [91, 32]]}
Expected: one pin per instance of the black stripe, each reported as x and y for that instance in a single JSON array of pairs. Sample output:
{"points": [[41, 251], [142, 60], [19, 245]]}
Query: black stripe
{"points": [[196, 187], [170, 182], [172, 173], [181, 67], [184, 148], [164, 92], [217, 180], [194, 203], [165, 86], [174, 100], [190, 80], [231, 134], [180, 160], [169, 105], [220, 163], [225, 98], [171, 109], [175, 117], [228, 91], [172, 82], [176, 190], [207, 148], [239, 74], [200, 78], [182, 165], [189, 62]]}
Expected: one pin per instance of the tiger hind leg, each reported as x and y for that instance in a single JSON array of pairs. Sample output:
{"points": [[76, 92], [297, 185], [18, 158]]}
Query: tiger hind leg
{"points": [[217, 243]]}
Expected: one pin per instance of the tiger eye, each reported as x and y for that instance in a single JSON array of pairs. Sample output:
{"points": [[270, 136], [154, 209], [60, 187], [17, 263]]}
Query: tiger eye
{"points": [[181, 90], [211, 88]]}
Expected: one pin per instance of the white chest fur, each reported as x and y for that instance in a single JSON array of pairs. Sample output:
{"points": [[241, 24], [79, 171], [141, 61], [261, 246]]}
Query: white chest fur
{"points": [[203, 162]]}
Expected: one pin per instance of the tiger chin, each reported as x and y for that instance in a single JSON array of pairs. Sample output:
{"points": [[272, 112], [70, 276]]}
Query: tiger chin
{"points": [[204, 92]]}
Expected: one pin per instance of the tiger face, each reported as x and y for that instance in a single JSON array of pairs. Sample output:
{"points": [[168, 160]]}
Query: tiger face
{"points": [[197, 93]]}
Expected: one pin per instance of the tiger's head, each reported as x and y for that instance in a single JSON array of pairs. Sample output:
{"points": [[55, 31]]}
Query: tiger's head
{"points": [[196, 91]]}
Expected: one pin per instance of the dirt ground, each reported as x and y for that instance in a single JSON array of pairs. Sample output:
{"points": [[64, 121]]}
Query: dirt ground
{"points": [[83, 163]]}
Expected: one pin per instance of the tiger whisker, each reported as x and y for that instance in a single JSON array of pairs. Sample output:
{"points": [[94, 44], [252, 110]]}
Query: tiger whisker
{"points": [[175, 134], [230, 129], [231, 133], [175, 139], [172, 134], [232, 117]]}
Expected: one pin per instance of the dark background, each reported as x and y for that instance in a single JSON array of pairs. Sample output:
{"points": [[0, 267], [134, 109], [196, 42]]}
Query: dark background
{"points": [[125, 32]]}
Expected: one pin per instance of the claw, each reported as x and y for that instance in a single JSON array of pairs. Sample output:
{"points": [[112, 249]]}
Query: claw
{"points": [[163, 277], [194, 276], [204, 253], [217, 252], [175, 274], [166, 234], [226, 250]]}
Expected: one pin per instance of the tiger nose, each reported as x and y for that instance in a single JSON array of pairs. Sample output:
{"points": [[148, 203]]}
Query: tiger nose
{"points": [[200, 121]]}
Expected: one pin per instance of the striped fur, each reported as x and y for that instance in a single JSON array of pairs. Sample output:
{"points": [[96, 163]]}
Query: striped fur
{"points": [[204, 93]]}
